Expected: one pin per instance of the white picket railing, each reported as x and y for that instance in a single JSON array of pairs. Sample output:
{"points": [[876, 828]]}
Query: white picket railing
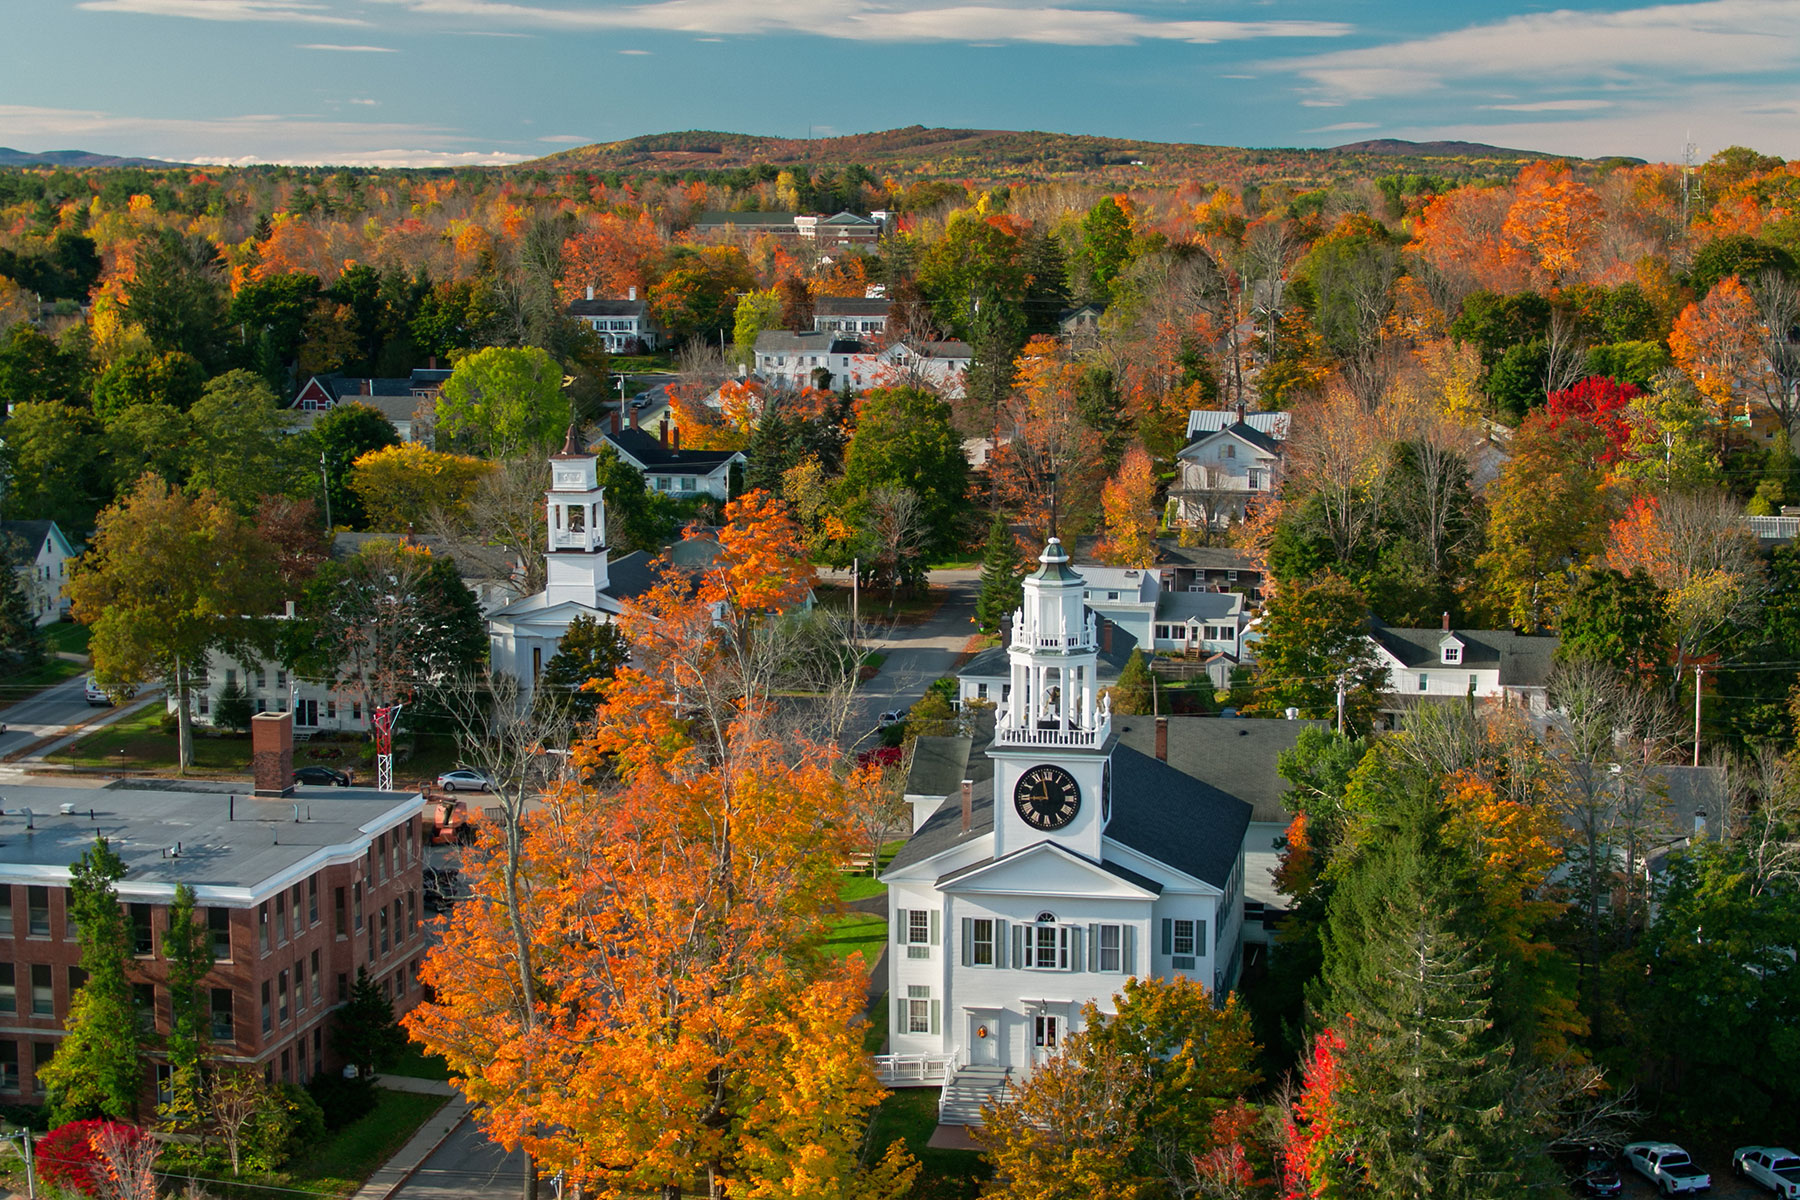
{"points": [[1775, 529], [902, 1070]]}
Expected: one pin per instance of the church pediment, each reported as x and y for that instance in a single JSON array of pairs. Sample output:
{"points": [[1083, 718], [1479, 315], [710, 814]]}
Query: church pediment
{"points": [[1047, 869]]}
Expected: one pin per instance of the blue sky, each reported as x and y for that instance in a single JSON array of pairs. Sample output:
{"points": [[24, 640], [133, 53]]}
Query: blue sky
{"points": [[469, 81]]}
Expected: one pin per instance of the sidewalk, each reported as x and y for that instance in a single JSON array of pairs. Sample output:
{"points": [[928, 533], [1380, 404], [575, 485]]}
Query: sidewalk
{"points": [[397, 1170]]}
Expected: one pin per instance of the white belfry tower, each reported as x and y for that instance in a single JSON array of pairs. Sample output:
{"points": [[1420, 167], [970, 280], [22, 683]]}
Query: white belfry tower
{"points": [[575, 561], [1053, 737]]}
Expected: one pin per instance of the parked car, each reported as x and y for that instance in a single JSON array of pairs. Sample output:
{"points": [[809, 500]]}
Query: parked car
{"points": [[1774, 1167], [97, 694], [1594, 1173], [1668, 1167], [464, 779], [892, 716], [321, 777]]}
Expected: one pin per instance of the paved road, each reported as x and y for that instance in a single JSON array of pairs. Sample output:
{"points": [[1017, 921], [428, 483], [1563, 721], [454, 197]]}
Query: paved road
{"points": [[48, 712], [465, 1167], [917, 654]]}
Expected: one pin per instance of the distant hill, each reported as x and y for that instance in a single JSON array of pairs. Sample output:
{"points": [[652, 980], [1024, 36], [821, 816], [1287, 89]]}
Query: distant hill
{"points": [[75, 159], [1437, 149], [1000, 155]]}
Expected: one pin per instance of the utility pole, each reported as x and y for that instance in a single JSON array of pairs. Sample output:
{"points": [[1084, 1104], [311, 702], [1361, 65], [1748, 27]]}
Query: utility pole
{"points": [[23, 1137], [1340, 704], [855, 595], [1699, 673], [325, 487]]}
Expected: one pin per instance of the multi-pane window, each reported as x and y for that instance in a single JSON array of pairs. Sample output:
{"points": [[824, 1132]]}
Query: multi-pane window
{"points": [[384, 930], [343, 987], [37, 911], [296, 921], [43, 1000], [312, 900], [6, 925], [223, 1021], [218, 923], [981, 942], [143, 1002], [919, 931], [299, 983], [9, 1066], [1184, 941], [143, 941], [399, 923], [41, 1054], [9, 990], [281, 996], [356, 904], [281, 921], [337, 899], [1047, 947], [268, 1010], [920, 1010], [1110, 947], [318, 987], [262, 926]]}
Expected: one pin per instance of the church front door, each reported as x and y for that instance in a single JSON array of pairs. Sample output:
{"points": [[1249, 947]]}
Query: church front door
{"points": [[984, 1039]]}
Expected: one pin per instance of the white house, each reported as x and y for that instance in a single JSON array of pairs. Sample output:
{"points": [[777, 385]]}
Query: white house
{"points": [[1444, 663], [790, 359], [852, 316], [1050, 873], [666, 467], [408, 403], [624, 325], [1161, 619], [1224, 471], [40, 554]]}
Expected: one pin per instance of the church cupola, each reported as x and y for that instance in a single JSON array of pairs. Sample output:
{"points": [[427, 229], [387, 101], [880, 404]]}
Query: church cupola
{"points": [[576, 513], [1054, 698]]}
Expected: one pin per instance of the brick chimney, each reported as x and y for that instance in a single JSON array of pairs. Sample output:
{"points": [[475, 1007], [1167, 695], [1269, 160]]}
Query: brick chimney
{"points": [[662, 433], [631, 292], [272, 753], [1105, 636], [1240, 410], [968, 805], [1162, 739], [1446, 622], [615, 423], [675, 439]]}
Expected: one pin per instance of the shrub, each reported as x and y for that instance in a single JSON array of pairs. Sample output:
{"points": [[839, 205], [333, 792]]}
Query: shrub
{"points": [[343, 1101], [66, 1156]]}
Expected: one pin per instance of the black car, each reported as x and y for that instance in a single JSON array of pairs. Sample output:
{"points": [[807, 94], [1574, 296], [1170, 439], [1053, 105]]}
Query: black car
{"points": [[321, 777], [1596, 1174]]}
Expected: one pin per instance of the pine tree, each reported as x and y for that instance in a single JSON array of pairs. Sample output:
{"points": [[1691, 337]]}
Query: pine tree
{"points": [[96, 1069], [364, 1030], [1002, 583], [590, 650], [232, 710], [774, 447], [1131, 695], [21, 642], [187, 947]]}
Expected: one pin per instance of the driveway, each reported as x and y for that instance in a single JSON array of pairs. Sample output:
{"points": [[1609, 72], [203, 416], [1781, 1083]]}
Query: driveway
{"points": [[465, 1167], [916, 655]]}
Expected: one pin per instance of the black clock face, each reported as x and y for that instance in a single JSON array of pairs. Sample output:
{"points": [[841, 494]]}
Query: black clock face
{"points": [[1047, 797]]}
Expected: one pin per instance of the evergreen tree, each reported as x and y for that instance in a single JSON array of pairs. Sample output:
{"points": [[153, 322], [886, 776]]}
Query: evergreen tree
{"points": [[21, 643], [364, 1030], [1131, 695], [590, 650], [96, 1070], [773, 449], [187, 948], [233, 709], [1002, 582]]}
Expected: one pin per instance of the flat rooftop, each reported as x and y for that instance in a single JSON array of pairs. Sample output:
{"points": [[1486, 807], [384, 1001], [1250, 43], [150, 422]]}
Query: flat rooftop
{"points": [[229, 846]]}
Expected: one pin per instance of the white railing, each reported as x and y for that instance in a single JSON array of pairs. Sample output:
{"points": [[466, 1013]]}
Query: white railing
{"points": [[1775, 529], [1087, 639], [579, 539], [1006, 734], [914, 1070]]}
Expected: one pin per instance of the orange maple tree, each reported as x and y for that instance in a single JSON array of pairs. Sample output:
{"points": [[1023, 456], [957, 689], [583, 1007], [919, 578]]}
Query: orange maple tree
{"points": [[1554, 219], [1718, 341], [1129, 503]]}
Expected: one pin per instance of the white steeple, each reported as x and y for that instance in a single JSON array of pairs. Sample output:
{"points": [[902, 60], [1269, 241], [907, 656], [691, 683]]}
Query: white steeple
{"points": [[575, 556], [1055, 698]]}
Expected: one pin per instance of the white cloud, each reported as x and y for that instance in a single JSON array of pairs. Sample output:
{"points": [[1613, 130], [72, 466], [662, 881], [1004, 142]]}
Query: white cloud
{"points": [[634, 52], [566, 139], [1648, 46], [300, 140], [348, 49], [1550, 106], [875, 21], [1344, 127], [226, 10]]}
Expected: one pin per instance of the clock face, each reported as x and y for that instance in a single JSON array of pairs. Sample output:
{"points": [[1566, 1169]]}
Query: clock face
{"points": [[1047, 797]]}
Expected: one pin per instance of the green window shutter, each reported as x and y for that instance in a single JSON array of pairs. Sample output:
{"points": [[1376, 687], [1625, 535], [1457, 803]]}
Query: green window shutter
{"points": [[900, 923], [1128, 950], [999, 943], [1200, 936], [1093, 947], [935, 1006], [1075, 949], [931, 919], [1168, 936], [1018, 947], [968, 942]]}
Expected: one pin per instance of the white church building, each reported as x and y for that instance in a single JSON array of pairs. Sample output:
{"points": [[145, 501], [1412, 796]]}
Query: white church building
{"points": [[1045, 871]]}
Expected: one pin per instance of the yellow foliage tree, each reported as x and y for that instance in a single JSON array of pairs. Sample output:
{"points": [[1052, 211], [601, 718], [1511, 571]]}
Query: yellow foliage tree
{"points": [[1129, 504], [1718, 342], [400, 486]]}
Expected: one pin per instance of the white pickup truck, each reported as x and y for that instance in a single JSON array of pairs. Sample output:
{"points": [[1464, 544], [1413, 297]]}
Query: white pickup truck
{"points": [[1668, 1167], [1772, 1166]]}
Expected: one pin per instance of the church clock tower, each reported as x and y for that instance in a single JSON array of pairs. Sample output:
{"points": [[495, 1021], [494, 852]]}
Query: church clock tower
{"points": [[575, 510], [1053, 737]]}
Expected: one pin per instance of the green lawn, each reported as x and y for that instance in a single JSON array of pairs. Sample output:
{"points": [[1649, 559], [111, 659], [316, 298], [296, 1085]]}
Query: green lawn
{"points": [[27, 684], [419, 1065], [855, 933], [138, 743], [852, 888], [340, 1165], [911, 1114], [66, 637]]}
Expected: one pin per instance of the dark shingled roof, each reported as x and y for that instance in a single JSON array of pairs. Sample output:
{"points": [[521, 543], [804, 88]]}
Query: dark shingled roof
{"points": [[1242, 430], [851, 306], [1235, 757], [648, 449], [1216, 558], [21, 540], [1524, 660], [1158, 811], [940, 764], [606, 308]]}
